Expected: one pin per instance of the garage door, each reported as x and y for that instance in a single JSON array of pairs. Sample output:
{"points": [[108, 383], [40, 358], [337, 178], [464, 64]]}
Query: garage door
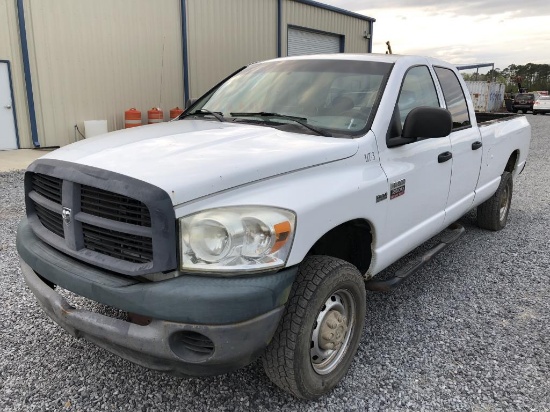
{"points": [[302, 42]]}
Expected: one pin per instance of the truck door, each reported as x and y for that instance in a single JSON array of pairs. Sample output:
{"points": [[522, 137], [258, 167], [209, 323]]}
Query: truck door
{"points": [[465, 146], [418, 172]]}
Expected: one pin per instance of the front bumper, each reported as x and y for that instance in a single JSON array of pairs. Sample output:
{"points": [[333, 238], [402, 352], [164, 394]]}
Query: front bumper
{"points": [[237, 316]]}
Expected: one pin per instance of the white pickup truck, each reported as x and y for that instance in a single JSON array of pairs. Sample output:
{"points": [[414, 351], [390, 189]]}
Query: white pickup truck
{"points": [[252, 225]]}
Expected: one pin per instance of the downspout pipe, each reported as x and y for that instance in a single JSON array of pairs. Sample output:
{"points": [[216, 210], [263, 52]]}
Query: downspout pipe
{"points": [[27, 71], [279, 31], [184, 52]]}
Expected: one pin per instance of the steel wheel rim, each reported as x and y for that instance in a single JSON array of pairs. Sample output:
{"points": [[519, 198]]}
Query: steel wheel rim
{"points": [[504, 203], [339, 303]]}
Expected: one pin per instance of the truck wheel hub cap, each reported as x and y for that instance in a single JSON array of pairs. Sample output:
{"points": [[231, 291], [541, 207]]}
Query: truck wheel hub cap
{"points": [[332, 331]]}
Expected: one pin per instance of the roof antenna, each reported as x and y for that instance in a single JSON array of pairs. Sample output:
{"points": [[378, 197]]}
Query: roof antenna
{"points": [[389, 48]]}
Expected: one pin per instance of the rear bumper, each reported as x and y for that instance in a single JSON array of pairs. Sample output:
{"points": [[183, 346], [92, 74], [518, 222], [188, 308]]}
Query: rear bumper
{"points": [[522, 107], [237, 317]]}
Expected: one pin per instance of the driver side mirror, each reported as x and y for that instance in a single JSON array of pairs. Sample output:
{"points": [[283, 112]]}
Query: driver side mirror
{"points": [[426, 122]]}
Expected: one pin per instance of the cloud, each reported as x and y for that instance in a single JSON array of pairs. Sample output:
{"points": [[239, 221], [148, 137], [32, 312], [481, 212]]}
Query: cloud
{"points": [[524, 8], [462, 38], [503, 32]]}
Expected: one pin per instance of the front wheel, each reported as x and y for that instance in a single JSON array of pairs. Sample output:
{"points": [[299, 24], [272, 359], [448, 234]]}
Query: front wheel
{"points": [[493, 213], [535, 112], [320, 330]]}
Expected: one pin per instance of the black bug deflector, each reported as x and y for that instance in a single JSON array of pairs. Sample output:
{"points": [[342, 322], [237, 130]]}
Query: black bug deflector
{"points": [[455, 231]]}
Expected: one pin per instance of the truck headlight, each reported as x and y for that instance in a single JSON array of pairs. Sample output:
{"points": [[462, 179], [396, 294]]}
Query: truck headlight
{"points": [[236, 239]]}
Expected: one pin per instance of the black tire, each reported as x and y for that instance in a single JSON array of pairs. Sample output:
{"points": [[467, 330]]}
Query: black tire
{"points": [[493, 213], [524, 111], [515, 110], [535, 112], [324, 287]]}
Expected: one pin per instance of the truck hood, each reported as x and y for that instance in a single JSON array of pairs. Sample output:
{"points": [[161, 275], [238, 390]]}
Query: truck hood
{"points": [[190, 159]]}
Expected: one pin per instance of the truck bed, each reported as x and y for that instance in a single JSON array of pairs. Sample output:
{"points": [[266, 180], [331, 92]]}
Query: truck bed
{"points": [[484, 118]]}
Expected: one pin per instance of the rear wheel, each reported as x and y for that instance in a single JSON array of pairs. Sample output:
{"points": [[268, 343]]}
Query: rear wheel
{"points": [[535, 112], [524, 111], [493, 213], [320, 330], [515, 110]]}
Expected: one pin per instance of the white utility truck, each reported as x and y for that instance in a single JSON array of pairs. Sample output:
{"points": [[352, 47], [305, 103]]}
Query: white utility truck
{"points": [[251, 226]]}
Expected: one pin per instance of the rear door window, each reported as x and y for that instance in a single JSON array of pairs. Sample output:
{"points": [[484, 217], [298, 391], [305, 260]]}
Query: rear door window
{"points": [[454, 97]]}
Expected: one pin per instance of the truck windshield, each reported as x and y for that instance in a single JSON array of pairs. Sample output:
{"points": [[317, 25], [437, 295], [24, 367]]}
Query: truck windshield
{"points": [[334, 97]]}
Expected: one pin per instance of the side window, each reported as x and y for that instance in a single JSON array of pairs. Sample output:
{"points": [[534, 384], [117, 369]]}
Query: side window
{"points": [[454, 97], [418, 89]]}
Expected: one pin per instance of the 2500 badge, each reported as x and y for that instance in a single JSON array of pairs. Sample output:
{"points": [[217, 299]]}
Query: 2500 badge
{"points": [[397, 189]]}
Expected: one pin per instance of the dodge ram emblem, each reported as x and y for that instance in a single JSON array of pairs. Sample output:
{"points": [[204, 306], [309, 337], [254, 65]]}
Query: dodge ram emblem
{"points": [[66, 214]]}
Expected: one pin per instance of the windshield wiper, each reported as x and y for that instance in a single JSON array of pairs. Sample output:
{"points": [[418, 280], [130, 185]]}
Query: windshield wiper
{"points": [[300, 120], [217, 115]]}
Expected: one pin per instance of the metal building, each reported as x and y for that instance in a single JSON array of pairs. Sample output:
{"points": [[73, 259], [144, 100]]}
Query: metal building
{"points": [[66, 61]]}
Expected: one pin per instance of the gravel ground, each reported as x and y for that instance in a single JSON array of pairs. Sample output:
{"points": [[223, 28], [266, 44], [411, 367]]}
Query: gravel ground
{"points": [[469, 332]]}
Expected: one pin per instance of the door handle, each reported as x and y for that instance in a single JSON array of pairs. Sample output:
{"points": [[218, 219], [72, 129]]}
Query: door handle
{"points": [[8, 106], [476, 145], [443, 157]]}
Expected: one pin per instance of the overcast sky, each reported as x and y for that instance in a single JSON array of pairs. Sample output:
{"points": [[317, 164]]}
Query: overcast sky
{"points": [[481, 31]]}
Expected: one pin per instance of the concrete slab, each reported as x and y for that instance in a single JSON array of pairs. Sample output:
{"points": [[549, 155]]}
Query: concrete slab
{"points": [[19, 159]]}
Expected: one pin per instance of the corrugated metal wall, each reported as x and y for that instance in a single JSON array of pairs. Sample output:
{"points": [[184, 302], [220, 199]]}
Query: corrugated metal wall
{"points": [[94, 59], [226, 35], [303, 15], [10, 50]]}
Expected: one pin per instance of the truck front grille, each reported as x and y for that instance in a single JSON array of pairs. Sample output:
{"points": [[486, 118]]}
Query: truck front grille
{"points": [[123, 246], [51, 220], [113, 206], [47, 186], [100, 226]]}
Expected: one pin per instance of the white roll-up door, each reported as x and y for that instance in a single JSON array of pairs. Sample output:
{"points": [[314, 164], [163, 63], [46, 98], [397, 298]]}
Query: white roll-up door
{"points": [[302, 42]]}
